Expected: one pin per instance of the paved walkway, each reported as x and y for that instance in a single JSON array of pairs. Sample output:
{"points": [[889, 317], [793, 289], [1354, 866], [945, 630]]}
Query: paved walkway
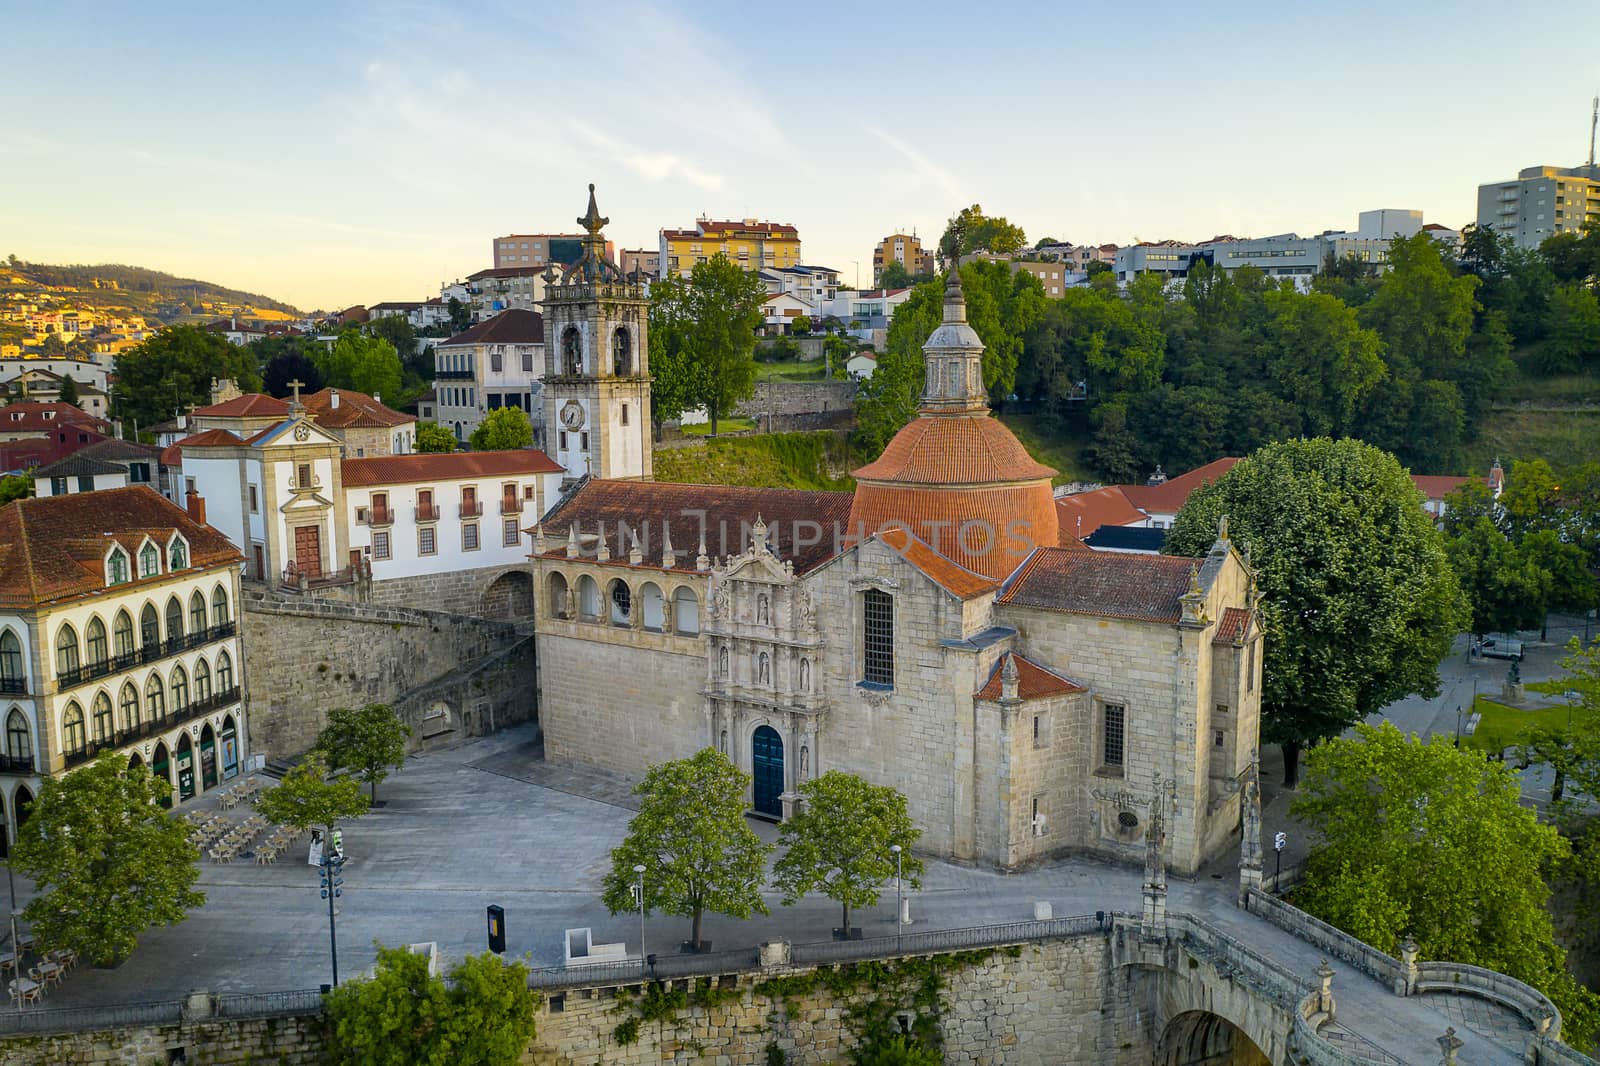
{"points": [[464, 828]]}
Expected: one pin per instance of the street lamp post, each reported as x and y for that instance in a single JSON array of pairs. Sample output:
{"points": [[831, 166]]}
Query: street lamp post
{"points": [[639, 870], [332, 889], [899, 898], [1280, 840], [1458, 725]]}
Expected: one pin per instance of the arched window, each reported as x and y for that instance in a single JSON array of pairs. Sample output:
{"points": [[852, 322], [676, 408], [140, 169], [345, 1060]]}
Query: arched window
{"points": [[174, 619], [149, 561], [104, 728], [224, 672], [588, 599], [559, 592], [18, 743], [202, 682], [685, 612], [219, 606], [73, 739], [652, 607], [180, 690], [197, 612], [177, 556], [67, 651], [621, 597], [571, 352], [130, 707], [10, 661], [122, 635], [95, 642], [621, 352], [155, 699], [149, 632], [117, 568]]}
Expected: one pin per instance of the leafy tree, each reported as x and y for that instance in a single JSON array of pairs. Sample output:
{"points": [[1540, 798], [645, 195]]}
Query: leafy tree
{"points": [[1574, 341], [1506, 590], [839, 842], [174, 369], [505, 429], [690, 836], [293, 363], [1424, 839], [894, 275], [307, 799], [1321, 359], [107, 861], [460, 316], [398, 331], [724, 313], [801, 324], [1580, 745], [53, 345], [403, 1016], [363, 364], [1465, 505], [672, 367], [69, 390], [432, 437], [365, 742], [15, 487], [973, 231], [1531, 498], [1572, 588], [1359, 603], [901, 1049]]}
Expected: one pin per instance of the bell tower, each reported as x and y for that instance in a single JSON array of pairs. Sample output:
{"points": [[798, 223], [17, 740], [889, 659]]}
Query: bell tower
{"points": [[597, 364]]}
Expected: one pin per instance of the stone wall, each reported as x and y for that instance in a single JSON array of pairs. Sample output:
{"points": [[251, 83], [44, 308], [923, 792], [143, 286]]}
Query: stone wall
{"points": [[1053, 1002], [283, 1041], [793, 405], [500, 592], [304, 656]]}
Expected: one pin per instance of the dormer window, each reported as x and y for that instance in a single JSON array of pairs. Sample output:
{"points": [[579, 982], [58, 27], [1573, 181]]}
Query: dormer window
{"points": [[149, 561], [177, 555], [117, 568]]}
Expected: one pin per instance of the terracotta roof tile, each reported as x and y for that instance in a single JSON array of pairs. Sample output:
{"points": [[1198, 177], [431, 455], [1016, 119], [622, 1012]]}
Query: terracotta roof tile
{"points": [[953, 578], [516, 326], [1234, 626], [1438, 486], [1169, 497], [54, 545], [444, 466], [1084, 512], [954, 449], [250, 405], [29, 416], [1104, 584], [211, 438], [988, 530], [802, 526], [1033, 681], [356, 410]]}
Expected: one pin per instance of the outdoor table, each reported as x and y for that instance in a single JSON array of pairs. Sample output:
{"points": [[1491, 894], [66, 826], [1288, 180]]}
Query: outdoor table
{"points": [[8, 961], [24, 989], [50, 972], [25, 942]]}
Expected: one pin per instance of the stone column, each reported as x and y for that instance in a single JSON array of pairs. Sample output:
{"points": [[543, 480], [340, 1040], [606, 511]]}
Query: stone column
{"points": [[1325, 990], [1406, 983], [1449, 1044], [1153, 921]]}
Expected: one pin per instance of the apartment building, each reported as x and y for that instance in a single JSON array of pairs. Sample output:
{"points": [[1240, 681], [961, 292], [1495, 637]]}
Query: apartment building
{"points": [[497, 363], [646, 261], [905, 249], [537, 249], [753, 244], [1540, 203]]}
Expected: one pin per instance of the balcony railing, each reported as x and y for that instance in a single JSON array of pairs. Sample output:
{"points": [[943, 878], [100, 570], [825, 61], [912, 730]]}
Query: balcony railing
{"points": [[13, 686], [429, 513], [472, 510], [509, 505], [374, 516], [16, 764], [452, 375], [293, 579], [147, 653], [155, 726]]}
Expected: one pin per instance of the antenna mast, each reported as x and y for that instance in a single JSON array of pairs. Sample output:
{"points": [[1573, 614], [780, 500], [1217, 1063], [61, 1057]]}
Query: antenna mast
{"points": [[1593, 122]]}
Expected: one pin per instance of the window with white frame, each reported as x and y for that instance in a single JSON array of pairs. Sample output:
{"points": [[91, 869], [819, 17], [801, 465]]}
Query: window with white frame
{"points": [[469, 536], [380, 545], [426, 544], [510, 535]]}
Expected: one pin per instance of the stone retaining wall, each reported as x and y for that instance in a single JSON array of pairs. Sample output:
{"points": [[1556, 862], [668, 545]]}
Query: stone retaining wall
{"points": [[795, 405], [281, 1041], [1335, 942], [498, 592]]}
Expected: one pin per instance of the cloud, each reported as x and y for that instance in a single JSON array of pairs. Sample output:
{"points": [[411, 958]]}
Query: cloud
{"points": [[652, 166], [921, 165]]}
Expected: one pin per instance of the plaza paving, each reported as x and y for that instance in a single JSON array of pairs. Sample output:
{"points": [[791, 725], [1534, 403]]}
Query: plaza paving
{"points": [[467, 827]]}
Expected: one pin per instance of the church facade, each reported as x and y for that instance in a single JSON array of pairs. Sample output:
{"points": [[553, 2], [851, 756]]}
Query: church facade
{"points": [[932, 630]]}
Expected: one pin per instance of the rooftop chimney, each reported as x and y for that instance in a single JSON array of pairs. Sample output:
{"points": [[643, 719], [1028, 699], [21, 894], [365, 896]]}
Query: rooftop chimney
{"points": [[333, 398], [195, 504]]}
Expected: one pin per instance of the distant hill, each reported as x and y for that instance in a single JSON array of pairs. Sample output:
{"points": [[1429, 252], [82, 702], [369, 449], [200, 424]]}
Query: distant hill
{"points": [[153, 292]]}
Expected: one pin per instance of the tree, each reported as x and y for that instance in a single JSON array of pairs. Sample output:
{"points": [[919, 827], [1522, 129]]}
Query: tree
{"points": [[53, 345], [1505, 588], [973, 231], [506, 429], [690, 836], [894, 275], [1421, 838], [307, 799], [671, 364], [403, 1016], [1578, 746], [362, 364], [725, 311], [15, 487], [106, 860], [174, 369], [398, 331], [294, 362], [1359, 603], [69, 391], [901, 1049], [432, 437], [460, 316], [365, 742], [801, 325], [839, 842], [1574, 331]]}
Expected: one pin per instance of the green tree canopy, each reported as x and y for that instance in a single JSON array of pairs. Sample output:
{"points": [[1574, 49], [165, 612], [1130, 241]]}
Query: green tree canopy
{"points": [[432, 437], [838, 843], [1427, 840], [174, 369], [289, 359], [69, 390], [107, 861], [1359, 603], [15, 487], [724, 312], [364, 364], [505, 429], [973, 231], [307, 799], [460, 316], [672, 367], [1505, 588], [482, 1013], [894, 275], [365, 742], [690, 836]]}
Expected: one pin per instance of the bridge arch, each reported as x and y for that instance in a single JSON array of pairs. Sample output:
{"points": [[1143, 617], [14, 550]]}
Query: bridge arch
{"points": [[508, 597], [1200, 1038]]}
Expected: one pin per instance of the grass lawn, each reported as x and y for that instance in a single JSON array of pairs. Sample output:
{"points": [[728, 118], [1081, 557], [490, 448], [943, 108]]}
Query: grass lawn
{"points": [[797, 371], [1502, 726], [1534, 390], [1063, 451], [1561, 438], [816, 460], [724, 425]]}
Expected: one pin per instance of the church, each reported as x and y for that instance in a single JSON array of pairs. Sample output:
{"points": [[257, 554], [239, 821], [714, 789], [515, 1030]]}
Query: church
{"points": [[934, 630]]}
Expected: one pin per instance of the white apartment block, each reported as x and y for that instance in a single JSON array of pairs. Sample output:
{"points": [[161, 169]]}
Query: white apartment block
{"points": [[1540, 203]]}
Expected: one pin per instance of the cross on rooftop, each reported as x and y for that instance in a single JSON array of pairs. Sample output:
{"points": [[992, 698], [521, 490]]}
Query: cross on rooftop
{"points": [[296, 385]]}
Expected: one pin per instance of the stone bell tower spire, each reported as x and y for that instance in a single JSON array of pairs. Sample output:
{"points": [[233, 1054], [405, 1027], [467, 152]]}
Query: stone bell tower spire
{"points": [[953, 358]]}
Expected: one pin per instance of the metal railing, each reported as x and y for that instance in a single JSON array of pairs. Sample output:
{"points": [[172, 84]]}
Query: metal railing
{"points": [[148, 652], [268, 1004], [16, 764], [472, 510], [13, 686], [80, 1019], [155, 726], [429, 513]]}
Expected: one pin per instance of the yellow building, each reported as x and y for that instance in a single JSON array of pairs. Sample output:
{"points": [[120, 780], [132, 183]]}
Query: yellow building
{"points": [[753, 245], [905, 249]]}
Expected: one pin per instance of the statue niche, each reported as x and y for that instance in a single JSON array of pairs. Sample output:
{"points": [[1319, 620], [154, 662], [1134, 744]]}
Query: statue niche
{"points": [[571, 352]]}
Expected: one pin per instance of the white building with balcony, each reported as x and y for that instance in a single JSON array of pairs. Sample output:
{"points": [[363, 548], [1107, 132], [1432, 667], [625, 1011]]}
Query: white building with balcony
{"points": [[118, 632], [497, 363]]}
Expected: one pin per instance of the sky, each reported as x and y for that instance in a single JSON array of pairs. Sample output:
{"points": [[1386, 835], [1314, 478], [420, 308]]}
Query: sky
{"points": [[332, 154]]}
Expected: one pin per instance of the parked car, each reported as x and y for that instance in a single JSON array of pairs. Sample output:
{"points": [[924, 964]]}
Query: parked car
{"points": [[1500, 648]]}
